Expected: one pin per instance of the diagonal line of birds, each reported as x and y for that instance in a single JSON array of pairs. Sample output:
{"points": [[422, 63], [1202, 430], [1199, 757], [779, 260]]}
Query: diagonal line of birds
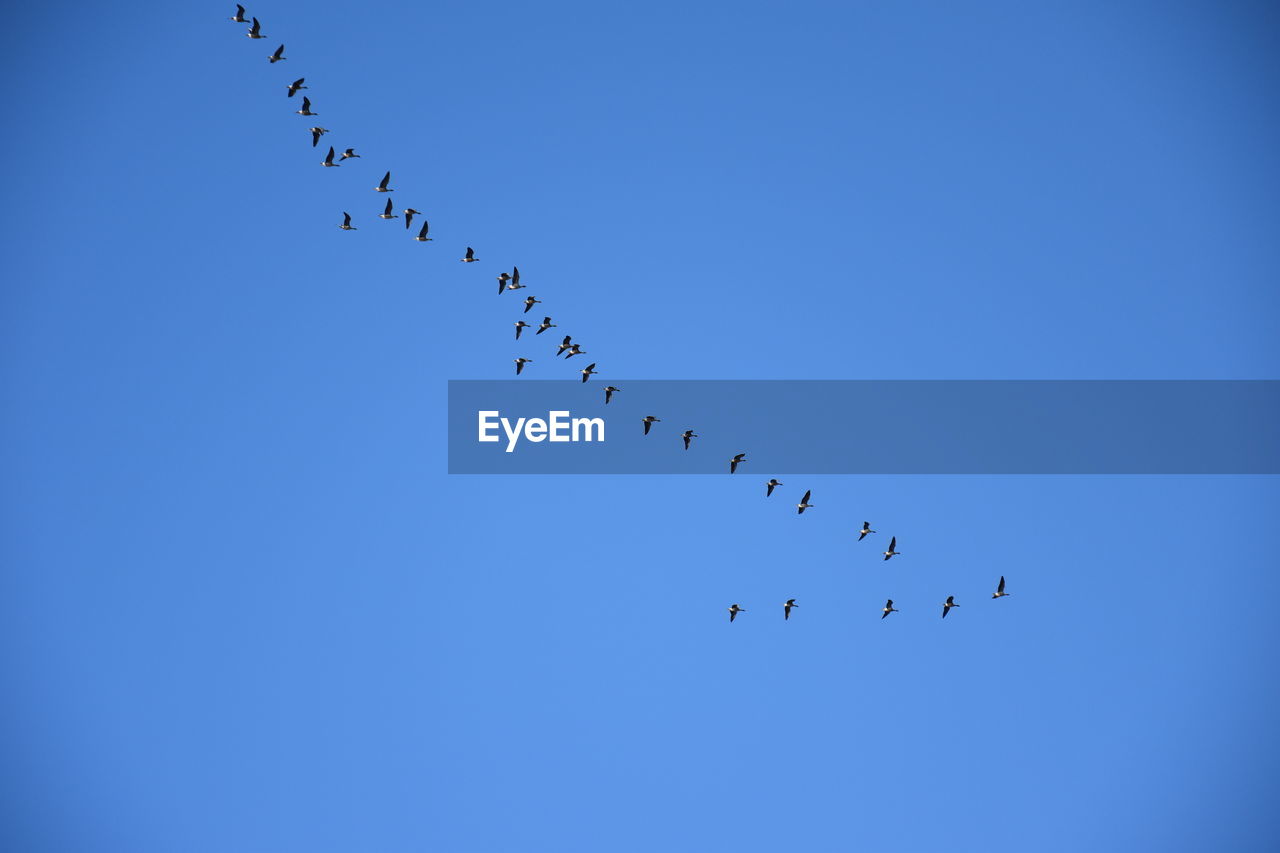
{"points": [[566, 348]]}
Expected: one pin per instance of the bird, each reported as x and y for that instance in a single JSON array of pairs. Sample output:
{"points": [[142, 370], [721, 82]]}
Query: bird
{"points": [[565, 344], [409, 213], [239, 17], [346, 222], [520, 326], [866, 528], [386, 212], [733, 463], [255, 30], [588, 371], [422, 235], [546, 324], [306, 108], [520, 363], [574, 350], [769, 486], [502, 282], [734, 610], [608, 393], [888, 608], [786, 608], [688, 435], [804, 503], [893, 542], [1000, 593], [529, 302], [277, 56], [316, 133], [471, 256], [296, 85], [382, 185], [649, 420], [328, 161], [515, 280], [348, 154], [948, 604]]}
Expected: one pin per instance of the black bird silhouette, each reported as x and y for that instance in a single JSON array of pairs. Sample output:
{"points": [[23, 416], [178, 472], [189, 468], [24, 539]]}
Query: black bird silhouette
{"points": [[1000, 593], [804, 503], [239, 17], [346, 222], [529, 302], [893, 544], [948, 604], [565, 344], [734, 610], [316, 133], [255, 31], [296, 85], [888, 608], [520, 363], [503, 278], [520, 325], [866, 528], [382, 185], [588, 371], [608, 394], [649, 420], [546, 324], [348, 154], [786, 608], [470, 256], [769, 486], [515, 280], [409, 213], [574, 350], [688, 435], [328, 160], [306, 108], [386, 212], [422, 235], [277, 56], [733, 463]]}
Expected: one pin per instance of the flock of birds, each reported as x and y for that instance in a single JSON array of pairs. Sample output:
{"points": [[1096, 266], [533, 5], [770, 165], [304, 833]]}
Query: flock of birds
{"points": [[567, 348]]}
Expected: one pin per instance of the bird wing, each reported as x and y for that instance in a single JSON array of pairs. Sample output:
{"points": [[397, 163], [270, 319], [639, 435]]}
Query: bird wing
{"points": [[386, 179], [306, 103], [893, 542], [733, 614], [423, 232], [346, 218], [805, 499]]}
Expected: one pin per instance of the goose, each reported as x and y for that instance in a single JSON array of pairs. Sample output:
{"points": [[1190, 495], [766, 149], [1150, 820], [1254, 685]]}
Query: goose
{"points": [[255, 30], [769, 486], [1000, 593], [866, 528], [546, 324], [296, 85], [565, 344], [422, 235], [348, 154], [733, 463], [520, 363], [471, 256], [574, 350], [409, 213], [239, 17], [589, 371], [346, 222], [520, 327], [502, 282], [688, 435], [328, 161], [948, 604], [650, 420], [609, 392], [734, 610], [804, 503], [888, 608], [529, 302], [277, 56], [382, 185], [786, 608], [386, 212], [316, 133], [306, 108], [515, 280], [893, 544]]}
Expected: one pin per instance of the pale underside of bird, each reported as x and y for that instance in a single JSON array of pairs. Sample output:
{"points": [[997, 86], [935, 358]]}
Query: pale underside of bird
{"points": [[306, 108], [409, 213], [546, 324], [348, 154], [688, 436], [948, 604], [770, 486], [296, 85], [387, 212], [255, 31], [529, 302], [734, 610], [609, 392], [649, 421], [786, 608], [382, 186], [893, 548], [316, 133], [804, 503], [277, 56], [888, 608], [734, 462], [588, 371], [520, 363], [346, 222], [328, 160], [422, 235], [239, 17], [866, 528], [1000, 593]]}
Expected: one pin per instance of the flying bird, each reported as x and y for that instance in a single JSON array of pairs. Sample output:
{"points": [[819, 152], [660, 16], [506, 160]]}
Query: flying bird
{"points": [[688, 435], [608, 393], [515, 280], [804, 503], [733, 463], [386, 212], [649, 420], [296, 85], [239, 17], [892, 552], [328, 161], [520, 327], [786, 608], [306, 108], [346, 222], [565, 344], [734, 610], [888, 608], [769, 486], [382, 185], [255, 30], [409, 213], [529, 302], [574, 350], [471, 256], [520, 363], [546, 324], [589, 371], [316, 133], [502, 282], [422, 235], [948, 604], [1000, 593], [866, 528], [277, 56], [348, 154]]}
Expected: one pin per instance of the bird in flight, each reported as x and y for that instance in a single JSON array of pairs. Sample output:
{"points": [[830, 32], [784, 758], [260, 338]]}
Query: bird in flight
{"points": [[786, 608], [422, 235], [306, 108], [255, 31], [574, 350], [382, 185], [589, 371], [520, 327], [688, 435], [386, 212], [409, 213], [328, 161], [316, 133], [546, 324], [866, 528], [770, 486], [277, 56], [503, 278], [565, 344], [804, 503], [520, 363], [734, 610], [515, 280], [893, 544], [649, 420], [733, 463], [470, 257], [608, 393], [296, 85], [529, 302], [888, 608], [948, 604], [348, 154], [346, 222], [239, 17], [1000, 593]]}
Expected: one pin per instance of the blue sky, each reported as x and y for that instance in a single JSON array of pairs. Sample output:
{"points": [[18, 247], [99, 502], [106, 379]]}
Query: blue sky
{"points": [[244, 608]]}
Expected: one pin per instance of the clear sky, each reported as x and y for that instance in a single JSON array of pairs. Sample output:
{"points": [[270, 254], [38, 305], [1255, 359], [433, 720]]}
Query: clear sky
{"points": [[243, 607]]}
